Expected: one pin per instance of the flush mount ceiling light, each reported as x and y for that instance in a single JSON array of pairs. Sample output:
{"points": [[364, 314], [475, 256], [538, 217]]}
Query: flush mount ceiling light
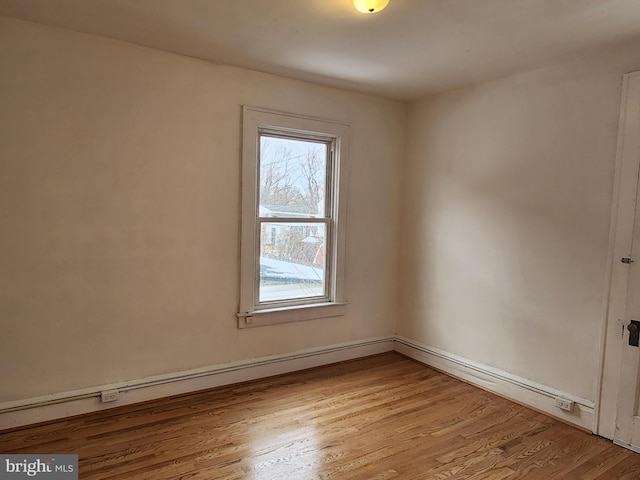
{"points": [[370, 6]]}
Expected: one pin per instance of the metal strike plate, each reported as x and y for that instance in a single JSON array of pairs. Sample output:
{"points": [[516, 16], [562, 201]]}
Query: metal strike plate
{"points": [[634, 332]]}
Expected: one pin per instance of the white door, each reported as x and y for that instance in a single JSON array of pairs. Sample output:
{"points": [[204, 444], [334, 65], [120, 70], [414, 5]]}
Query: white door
{"points": [[626, 267], [628, 414]]}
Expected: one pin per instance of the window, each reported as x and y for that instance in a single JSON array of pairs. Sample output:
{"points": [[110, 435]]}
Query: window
{"points": [[293, 218]]}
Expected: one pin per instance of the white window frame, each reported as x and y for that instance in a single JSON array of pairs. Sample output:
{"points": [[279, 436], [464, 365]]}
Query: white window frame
{"points": [[252, 313]]}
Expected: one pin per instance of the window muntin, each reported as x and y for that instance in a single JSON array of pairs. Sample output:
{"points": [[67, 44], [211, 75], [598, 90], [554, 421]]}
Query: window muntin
{"points": [[293, 209]]}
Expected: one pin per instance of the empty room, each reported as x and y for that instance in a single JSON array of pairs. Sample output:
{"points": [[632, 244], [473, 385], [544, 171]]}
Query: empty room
{"points": [[320, 239]]}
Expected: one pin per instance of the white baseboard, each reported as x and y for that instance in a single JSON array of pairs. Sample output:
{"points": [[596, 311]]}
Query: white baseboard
{"points": [[628, 446], [50, 407], [522, 390], [528, 392]]}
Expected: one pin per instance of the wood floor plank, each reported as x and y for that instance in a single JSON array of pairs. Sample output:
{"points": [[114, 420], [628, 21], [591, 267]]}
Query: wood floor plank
{"points": [[376, 418]]}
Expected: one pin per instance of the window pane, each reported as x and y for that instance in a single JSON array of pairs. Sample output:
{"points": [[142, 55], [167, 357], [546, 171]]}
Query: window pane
{"points": [[292, 261], [292, 177]]}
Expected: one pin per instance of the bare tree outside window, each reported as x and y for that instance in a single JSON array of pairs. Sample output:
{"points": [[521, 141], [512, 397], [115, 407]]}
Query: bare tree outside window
{"points": [[293, 175]]}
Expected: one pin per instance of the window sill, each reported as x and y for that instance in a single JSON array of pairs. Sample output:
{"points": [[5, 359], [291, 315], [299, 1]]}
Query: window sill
{"points": [[272, 316]]}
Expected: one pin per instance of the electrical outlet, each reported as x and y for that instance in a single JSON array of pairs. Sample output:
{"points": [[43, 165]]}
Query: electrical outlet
{"points": [[564, 404], [109, 396]]}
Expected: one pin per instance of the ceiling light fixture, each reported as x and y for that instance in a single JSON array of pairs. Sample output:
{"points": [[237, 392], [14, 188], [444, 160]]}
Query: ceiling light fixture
{"points": [[370, 6]]}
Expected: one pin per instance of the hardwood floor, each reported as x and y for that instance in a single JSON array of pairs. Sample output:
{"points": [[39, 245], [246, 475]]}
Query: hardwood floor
{"points": [[376, 418]]}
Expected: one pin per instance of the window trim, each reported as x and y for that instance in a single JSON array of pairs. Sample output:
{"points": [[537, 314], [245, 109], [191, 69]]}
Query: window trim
{"points": [[255, 122]]}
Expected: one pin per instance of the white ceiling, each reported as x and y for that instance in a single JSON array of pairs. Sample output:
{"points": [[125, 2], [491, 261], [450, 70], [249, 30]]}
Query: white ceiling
{"points": [[413, 48]]}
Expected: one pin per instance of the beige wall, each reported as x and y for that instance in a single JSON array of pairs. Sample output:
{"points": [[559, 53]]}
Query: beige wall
{"points": [[119, 208], [506, 219]]}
